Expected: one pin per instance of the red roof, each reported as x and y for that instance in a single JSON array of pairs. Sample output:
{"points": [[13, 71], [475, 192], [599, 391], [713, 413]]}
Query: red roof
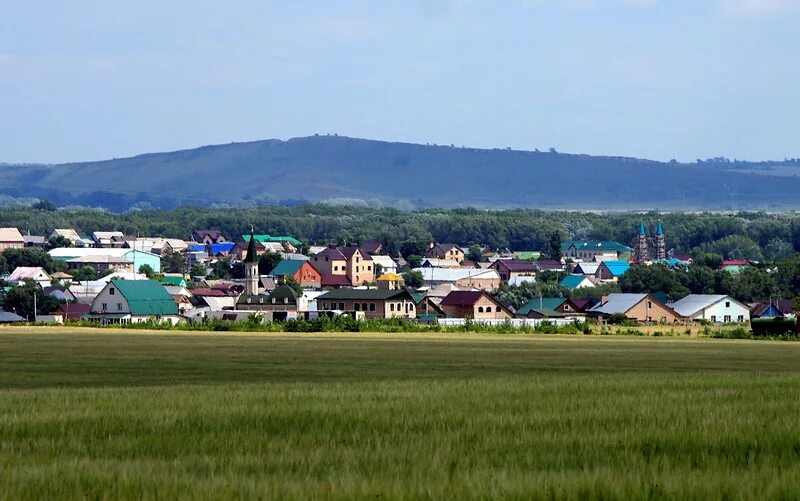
{"points": [[208, 292], [549, 264], [331, 280], [462, 298], [735, 262], [73, 310], [517, 265]]}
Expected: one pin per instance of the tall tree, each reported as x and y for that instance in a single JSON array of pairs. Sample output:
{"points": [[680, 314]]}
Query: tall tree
{"points": [[554, 246]]}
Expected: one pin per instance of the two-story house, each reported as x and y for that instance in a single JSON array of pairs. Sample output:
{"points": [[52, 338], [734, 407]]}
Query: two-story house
{"points": [[445, 251], [348, 261]]}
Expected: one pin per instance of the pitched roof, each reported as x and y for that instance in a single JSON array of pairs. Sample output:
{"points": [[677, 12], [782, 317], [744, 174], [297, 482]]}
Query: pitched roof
{"points": [[517, 265], [369, 247], [694, 303], [616, 268], [287, 267], [549, 264], [595, 245], [332, 253], [223, 248], [735, 262], [435, 262], [586, 268], [8, 317], [366, 294], [572, 281], [11, 235], [27, 273], [146, 297], [331, 280], [264, 238], [349, 250], [173, 280], [208, 292], [390, 277], [541, 304], [73, 310], [455, 274], [103, 259], [618, 302], [462, 298]]}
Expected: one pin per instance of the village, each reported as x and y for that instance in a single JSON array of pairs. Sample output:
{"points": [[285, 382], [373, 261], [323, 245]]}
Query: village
{"points": [[108, 277]]}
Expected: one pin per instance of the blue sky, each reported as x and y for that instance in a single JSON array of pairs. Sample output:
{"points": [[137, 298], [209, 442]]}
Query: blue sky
{"points": [[85, 80]]}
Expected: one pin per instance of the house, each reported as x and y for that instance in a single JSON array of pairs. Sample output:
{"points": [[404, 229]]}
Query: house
{"points": [[390, 282], [573, 282], [34, 241], [478, 278], [282, 243], [717, 308], [239, 251], [550, 307], [108, 239], [735, 265], [348, 261], [549, 265], [67, 233], [73, 311], [510, 268], [206, 237], [594, 250], [61, 276], [427, 309], [639, 307], [609, 271], [35, 273], [173, 279], [588, 269], [775, 308], [371, 247], [101, 264], [6, 317], [10, 238], [477, 305], [136, 257], [182, 297], [384, 263], [282, 303], [334, 281], [63, 294], [433, 262], [445, 251], [301, 271], [373, 303], [133, 301]]}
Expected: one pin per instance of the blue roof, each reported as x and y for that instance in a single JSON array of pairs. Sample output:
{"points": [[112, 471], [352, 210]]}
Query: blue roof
{"points": [[197, 248], [659, 229], [222, 248], [641, 229], [617, 268], [572, 281]]}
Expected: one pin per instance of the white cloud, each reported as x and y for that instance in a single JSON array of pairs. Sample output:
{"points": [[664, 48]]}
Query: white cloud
{"points": [[757, 8]]}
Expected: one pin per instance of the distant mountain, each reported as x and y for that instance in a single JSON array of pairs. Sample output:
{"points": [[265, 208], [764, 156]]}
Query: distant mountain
{"points": [[346, 170]]}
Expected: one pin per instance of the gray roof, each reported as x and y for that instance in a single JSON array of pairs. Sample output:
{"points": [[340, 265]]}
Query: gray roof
{"points": [[7, 316], [694, 303], [618, 303]]}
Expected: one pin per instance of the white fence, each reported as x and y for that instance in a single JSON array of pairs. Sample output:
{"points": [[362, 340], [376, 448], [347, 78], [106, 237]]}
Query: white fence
{"points": [[514, 322]]}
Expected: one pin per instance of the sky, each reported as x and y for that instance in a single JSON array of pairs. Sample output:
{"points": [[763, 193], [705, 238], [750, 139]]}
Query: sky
{"points": [[660, 79]]}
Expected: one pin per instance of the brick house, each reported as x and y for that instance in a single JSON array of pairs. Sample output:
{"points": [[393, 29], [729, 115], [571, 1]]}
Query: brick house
{"points": [[375, 303], [349, 261], [11, 238], [477, 305], [445, 251]]}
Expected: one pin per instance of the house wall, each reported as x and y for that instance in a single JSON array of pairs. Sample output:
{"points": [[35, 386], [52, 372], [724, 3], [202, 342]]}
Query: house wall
{"points": [[360, 270], [327, 266], [452, 253], [307, 276], [102, 268], [11, 245], [114, 301], [649, 310], [138, 258], [374, 309], [483, 309], [488, 284], [724, 311]]}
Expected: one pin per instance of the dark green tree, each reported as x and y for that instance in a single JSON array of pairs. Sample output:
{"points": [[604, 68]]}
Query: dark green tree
{"points": [[173, 262], [59, 241], [554, 246], [268, 261], [413, 279], [45, 206], [146, 270], [20, 300], [655, 278], [474, 253], [84, 274]]}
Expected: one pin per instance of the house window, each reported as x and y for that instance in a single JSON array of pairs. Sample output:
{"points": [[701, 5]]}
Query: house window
{"points": [[119, 306], [111, 291], [727, 304], [649, 319], [325, 306], [341, 306], [498, 309], [357, 307], [480, 309], [740, 318], [369, 268], [371, 306], [364, 306], [726, 318], [286, 300], [335, 268], [649, 304], [104, 306], [713, 318], [391, 306], [357, 269], [356, 259]]}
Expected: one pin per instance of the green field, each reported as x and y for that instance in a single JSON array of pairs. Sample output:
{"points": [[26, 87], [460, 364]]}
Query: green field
{"points": [[110, 414]]}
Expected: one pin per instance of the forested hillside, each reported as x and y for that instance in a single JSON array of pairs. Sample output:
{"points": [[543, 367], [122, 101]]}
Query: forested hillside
{"points": [[357, 171]]}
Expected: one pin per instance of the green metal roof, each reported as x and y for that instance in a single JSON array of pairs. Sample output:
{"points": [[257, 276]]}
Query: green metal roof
{"points": [[173, 280], [547, 303], [269, 238], [572, 281], [287, 267], [598, 245], [146, 297]]}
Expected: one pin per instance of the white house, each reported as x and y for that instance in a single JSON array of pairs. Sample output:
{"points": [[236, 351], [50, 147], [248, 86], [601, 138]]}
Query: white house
{"points": [[35, 273], [716, 308], [134, 301], [387, 264]]}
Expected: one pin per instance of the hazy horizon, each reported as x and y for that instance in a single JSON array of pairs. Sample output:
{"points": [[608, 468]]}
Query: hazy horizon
{"points": [[639, 78]]}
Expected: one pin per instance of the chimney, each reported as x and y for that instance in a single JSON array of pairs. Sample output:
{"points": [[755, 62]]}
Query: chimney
{"points": [[603, 299]]}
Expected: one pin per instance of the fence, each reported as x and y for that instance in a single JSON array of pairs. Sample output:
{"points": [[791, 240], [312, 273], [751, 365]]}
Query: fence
{"points": [[514, 322]]}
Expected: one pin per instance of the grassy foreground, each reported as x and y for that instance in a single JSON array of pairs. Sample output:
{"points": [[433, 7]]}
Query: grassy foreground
{"points": [[104, 414]]}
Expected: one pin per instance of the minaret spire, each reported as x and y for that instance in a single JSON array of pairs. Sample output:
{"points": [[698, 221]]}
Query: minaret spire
{"points": [[642, 250], [251, 265]]}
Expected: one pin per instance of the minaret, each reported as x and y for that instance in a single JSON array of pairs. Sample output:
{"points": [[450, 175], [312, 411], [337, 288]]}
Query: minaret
{"points": [[251, 266], [661, 243], [642, 251]]}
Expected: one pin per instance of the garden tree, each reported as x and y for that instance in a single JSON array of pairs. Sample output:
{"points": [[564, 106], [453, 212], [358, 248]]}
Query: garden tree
{"points": [[44, 205], [84, 274], [221, 269], [237, 270], [595, 293], [748, 285], [778, 248], [20, 299], [519, 295], [59, 241], [146, 270], [413, 279], [198, 270], [32, 256], [291, 282], [410, 248], [554, 246], [268, 261], [4, 265], [787, 275], [709, 259], [173, 262], [700, 279], [414, 261], [654, 278], [378, 270], [474, 253]]}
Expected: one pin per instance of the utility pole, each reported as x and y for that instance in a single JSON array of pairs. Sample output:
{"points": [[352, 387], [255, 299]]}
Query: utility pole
{"points": [[34, 306]]}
